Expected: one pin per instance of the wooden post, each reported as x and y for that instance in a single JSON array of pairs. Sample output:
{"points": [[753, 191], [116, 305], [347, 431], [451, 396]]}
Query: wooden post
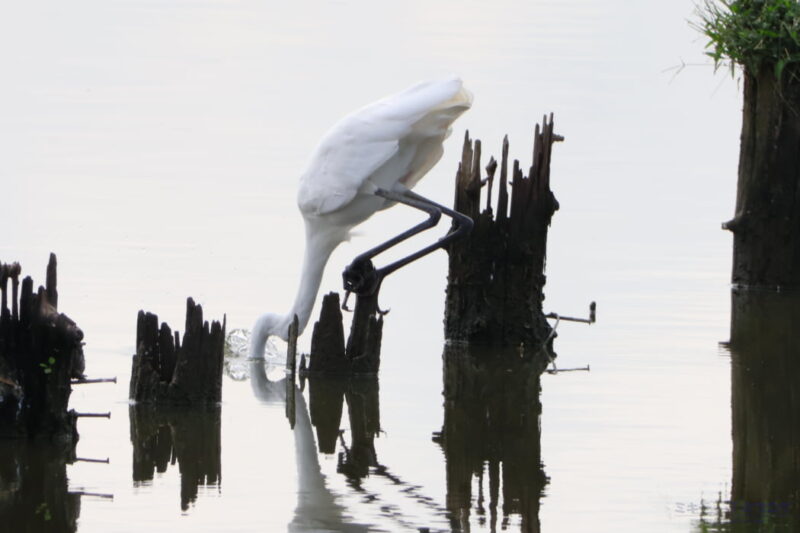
{"points": [[40, 354], [496, 275], [361, 355], [168, 371]]}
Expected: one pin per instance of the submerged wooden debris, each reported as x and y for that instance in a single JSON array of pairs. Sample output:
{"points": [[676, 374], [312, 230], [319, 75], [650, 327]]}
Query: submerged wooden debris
{"points": [[41, 352], [361, 355], [167, 370], [496, 275]]}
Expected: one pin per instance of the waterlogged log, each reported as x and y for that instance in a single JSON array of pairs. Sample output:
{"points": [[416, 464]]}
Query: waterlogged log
{"points": [[496, 275], [41, 352], [361, 355], [167, 370]]}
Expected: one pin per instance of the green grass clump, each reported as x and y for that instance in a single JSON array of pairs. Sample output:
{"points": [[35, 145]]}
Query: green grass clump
{"points": [[754, 34]]}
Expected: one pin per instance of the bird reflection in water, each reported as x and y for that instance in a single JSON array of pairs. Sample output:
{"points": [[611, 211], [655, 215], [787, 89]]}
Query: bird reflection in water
{"points": [[162, 436], [317, 509], [491, 429]]}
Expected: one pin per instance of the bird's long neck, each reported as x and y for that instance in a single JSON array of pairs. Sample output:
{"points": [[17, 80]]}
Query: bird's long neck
{"points": [[320, 243]]}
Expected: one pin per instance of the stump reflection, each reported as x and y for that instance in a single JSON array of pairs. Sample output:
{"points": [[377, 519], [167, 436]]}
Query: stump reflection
{"points": [[492, 430], [191, 437], [326, 398], [765, 370], [33, 489]]}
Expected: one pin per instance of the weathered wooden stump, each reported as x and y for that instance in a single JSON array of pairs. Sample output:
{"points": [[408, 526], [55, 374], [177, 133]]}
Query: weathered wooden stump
{"points": [[766, 225], [40, 353], [496, 275], [168, 371], [491, 428], [161, 436], [361, 354]]}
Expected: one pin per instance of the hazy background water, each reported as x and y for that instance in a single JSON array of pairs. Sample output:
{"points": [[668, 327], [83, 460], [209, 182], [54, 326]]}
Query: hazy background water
{"points": [[155, 147]]}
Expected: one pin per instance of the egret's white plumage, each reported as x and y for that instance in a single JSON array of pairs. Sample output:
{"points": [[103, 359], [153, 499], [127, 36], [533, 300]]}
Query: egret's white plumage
{"points": [[388, 145]]}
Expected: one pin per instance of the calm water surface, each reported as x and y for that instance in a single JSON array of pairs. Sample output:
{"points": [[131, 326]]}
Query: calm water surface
{"points": [[155, 147]]}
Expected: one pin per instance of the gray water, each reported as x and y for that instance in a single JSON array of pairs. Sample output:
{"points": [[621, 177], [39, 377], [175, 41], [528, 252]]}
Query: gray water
{"points": [[155, 147]]}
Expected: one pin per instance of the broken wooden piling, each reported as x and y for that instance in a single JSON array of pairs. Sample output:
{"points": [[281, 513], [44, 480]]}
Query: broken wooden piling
{"points": [[496, 275], [41, 352], [361, 355], [167, 370]]}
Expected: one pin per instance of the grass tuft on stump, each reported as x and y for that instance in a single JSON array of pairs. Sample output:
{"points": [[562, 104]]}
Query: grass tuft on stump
{"points": [[754, 34]]}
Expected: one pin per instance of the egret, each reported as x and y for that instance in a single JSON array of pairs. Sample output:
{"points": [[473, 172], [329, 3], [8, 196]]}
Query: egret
{"points": [[368, 161]]}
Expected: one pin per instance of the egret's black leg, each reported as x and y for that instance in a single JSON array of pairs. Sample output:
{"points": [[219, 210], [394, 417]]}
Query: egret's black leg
{"points": [[361, 276], [463, 227]]}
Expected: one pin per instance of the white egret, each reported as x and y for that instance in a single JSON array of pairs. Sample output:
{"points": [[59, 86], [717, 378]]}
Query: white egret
{"points": [[369, 161]]}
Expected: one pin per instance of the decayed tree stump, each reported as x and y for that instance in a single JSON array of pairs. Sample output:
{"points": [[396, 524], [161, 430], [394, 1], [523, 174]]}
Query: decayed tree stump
{"points": [[766, 226], [40, 352], [361, 354], [168, 371], [496, 275]]}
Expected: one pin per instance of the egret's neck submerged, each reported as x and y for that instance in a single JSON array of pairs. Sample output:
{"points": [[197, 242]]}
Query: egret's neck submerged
{"points": [[320, 243]]}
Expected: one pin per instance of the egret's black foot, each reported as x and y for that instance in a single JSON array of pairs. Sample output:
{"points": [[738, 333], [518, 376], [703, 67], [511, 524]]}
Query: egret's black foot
{"points": [[361, 278]]}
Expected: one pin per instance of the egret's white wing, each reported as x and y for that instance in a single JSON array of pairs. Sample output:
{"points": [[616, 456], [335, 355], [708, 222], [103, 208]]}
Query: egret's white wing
{"points": [[342, 162], [363, 142]]}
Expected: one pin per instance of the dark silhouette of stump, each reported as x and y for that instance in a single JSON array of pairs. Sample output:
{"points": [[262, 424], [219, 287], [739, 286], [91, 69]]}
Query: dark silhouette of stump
{"points": [[496, 275], [168, 371], [40, 353], [361, 354]]}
